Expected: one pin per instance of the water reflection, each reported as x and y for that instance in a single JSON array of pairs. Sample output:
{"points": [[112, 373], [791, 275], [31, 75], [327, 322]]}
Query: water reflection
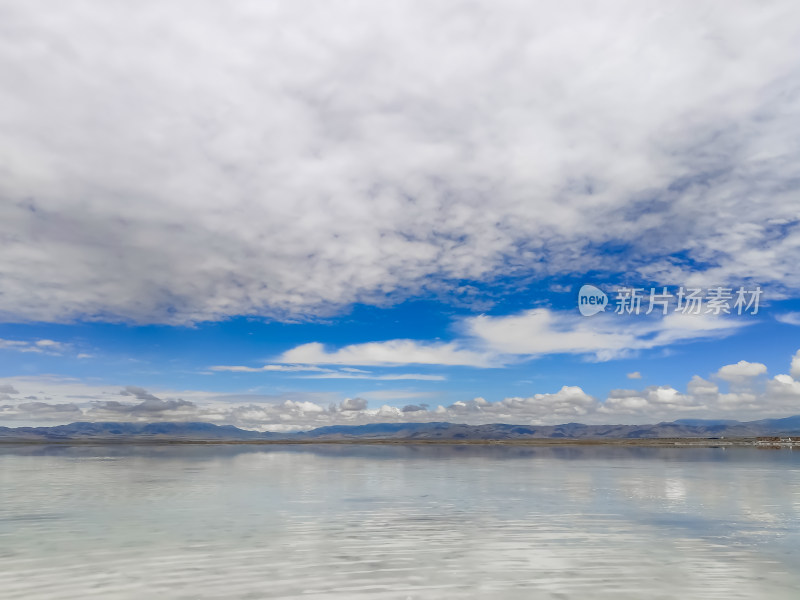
{"points": [[341, 521]]}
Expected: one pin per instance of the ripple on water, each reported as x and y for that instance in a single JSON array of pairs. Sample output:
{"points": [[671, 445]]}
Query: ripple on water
{"points": [[307, 524]]}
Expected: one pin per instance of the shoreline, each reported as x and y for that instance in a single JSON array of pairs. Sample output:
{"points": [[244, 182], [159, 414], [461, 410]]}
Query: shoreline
{"points": [[638, 442]]}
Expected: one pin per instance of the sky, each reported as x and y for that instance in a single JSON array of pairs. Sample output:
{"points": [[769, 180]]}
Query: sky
{"points": [[285, 215]]}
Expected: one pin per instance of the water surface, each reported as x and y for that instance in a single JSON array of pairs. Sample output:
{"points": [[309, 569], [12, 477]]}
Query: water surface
{"points": [[402, 522]]}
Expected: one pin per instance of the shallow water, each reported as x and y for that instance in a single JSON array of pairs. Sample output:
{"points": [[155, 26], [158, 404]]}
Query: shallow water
{"points": [[398, 522]]}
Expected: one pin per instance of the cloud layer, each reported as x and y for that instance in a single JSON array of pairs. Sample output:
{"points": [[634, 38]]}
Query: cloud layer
{"points": [[750, 396], [488, 341], [170, 165]]}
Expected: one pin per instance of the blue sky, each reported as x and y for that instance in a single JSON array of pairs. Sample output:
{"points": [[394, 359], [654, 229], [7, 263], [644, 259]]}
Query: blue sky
{"points": [[284, 216]]}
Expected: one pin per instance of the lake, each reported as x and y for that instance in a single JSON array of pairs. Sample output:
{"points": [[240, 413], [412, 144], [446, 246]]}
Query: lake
{"points": [[398, 522]]}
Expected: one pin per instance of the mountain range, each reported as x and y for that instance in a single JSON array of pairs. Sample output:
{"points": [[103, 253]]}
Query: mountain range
{"points": [[685, 428]]}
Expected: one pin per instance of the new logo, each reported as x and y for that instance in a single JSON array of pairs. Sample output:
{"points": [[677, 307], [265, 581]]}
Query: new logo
{"points": [[591, 300]]}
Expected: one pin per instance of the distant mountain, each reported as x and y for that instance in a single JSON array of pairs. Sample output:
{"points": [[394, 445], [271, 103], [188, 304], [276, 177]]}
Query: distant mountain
{"points": [[706, 422], [124, 432], [788, 424], [499, 431]]}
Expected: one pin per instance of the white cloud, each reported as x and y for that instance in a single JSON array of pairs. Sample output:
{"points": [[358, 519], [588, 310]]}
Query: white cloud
{"points": [[50, 345], [37, 346], [388, 377], [786, 389], [493, 341], [322, 373], [795, 366], [741, 371], [42, 412], [53, 400], [353, 404], [654, 401], [393, 352], [543, 331], [634, 375], [267, 368], [286, 159], [790, 318], [569, 403], [702, 389]]}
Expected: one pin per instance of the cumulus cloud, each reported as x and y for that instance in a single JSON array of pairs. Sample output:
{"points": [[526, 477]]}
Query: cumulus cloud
{"points": [[654, 401], [41, 412], [151, 408], [795, 366], [741, 371], [287, 159], [778, 396], [570, 403], [702, 389], [353, 404], [785, 389], [634, 375], [8, 389]]}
